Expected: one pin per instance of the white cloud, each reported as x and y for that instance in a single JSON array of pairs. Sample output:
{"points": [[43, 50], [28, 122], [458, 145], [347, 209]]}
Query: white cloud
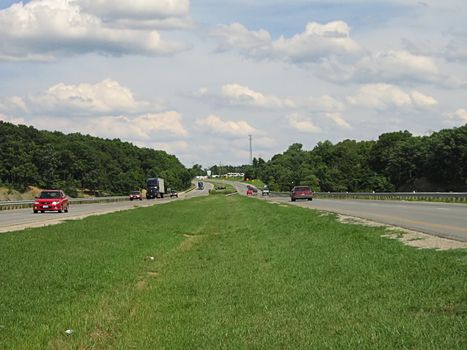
{"points": [[396, 65], [107, 96], [174, 147], [303, 124], [136, 8], [317, 41], [201, 92], [232, 128], [237, 36], [104, 98], [163, 14], [339, 120], [105, 109], [421, 100], [13, 104], [43, 29], [142, 127], [12, 120], [460, 114], [384, 96], [321, 104], [245, 96], [240, 95]]}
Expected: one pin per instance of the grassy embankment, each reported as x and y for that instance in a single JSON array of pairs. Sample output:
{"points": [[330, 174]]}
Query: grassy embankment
{"points": [[228, 272]]}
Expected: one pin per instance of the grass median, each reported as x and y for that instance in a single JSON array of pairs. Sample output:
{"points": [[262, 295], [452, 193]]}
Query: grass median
{"points": [[226, 272]]}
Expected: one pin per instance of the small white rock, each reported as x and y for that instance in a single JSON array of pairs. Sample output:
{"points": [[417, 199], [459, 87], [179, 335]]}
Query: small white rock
{"points": [[69, 332]]}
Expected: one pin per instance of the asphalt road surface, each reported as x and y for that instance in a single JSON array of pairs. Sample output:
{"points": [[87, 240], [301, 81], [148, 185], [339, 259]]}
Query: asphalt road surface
{"points": [[439, 219], [12, 220]]}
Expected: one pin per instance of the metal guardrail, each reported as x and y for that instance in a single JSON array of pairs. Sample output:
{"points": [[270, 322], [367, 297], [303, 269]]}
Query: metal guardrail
{"points": [[427, 196], [6, 205]]}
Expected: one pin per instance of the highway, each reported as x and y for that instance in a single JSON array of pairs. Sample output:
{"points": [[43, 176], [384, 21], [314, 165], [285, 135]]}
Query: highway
{"points": [[438, 219], [13, 220]]}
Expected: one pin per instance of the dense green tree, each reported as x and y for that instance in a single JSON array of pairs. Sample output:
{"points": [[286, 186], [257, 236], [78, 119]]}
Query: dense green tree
{"points": [[397, 161], [29, 157]]}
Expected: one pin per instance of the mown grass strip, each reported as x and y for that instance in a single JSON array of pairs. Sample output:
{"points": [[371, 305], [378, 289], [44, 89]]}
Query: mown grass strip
{"points": [[228, 272]]}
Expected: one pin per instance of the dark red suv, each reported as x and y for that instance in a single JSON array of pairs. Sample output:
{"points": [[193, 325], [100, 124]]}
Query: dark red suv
{"points": [[51, 200], [301, 192]]}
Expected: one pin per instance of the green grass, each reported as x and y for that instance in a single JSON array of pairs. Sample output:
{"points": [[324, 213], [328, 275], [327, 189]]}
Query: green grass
{"points": [[221, 188], [255, 182], [229, 273]]}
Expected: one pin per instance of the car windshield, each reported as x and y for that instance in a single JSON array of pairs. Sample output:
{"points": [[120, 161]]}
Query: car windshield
{"points": [[152, 182], [302, 189], [135, 192], [49, 194]]}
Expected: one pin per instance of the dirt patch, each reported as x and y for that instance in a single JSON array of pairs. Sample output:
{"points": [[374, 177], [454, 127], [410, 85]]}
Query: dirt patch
{"points": [[424, 241], [57, 344], [359, 221], [7, 194], [142, 285], [189, 242], [407, 237], [153, 273], [99, 335]]}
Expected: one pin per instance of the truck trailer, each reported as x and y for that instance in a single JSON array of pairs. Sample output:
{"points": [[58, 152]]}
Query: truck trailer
{"points": [[155, 188]]}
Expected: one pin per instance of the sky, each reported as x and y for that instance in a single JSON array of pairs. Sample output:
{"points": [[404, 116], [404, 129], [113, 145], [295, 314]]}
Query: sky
{"points": [[196, 78]]}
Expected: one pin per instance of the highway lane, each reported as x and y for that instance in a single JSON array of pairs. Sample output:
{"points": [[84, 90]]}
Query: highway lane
{"points": [[439, 219], [12, 220]]}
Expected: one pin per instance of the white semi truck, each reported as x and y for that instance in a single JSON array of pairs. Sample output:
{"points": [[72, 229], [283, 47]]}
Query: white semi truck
{"points": [[155, 188]]}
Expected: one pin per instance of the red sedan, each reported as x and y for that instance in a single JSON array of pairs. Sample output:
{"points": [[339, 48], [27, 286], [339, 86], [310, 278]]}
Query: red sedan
{"points": [[51, 200], [301, 192], [136, 195]]}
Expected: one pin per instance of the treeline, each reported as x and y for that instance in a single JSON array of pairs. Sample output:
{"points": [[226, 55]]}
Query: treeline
{"points": [[75, 162], [397, 161]]}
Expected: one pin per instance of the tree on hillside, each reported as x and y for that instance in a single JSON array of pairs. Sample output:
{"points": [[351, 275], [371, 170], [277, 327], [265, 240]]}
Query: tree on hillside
{"points": [[71, 162]]}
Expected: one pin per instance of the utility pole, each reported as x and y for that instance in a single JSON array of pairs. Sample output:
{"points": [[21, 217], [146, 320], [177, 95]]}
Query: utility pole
{"points": [[251, 150]]}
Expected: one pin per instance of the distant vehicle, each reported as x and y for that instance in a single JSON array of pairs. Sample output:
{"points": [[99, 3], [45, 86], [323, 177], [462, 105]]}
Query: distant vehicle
{"points": [[200, 185], [136, 195], [265, 191], [173, 193], [155, 188], [301, 192], [249, 192], [51, 200], [252, 188]]}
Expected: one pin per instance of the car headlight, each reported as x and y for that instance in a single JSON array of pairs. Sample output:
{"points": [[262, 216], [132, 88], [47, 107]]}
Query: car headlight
{"points": [[55, 203], [36, 203]]}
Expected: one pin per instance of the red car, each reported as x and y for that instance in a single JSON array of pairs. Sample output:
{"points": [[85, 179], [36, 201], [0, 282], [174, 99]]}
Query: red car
{"points": [[301, 192], [251, 190], [51, 200], [136, 195]]}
